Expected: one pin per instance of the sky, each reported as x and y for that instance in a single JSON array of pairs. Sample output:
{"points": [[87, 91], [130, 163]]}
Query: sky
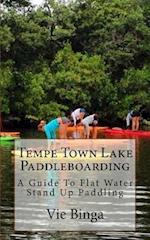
{"points": [[37, 2]]}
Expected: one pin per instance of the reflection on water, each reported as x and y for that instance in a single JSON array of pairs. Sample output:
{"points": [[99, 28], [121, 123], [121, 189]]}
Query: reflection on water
{"points": [[142, 201]]}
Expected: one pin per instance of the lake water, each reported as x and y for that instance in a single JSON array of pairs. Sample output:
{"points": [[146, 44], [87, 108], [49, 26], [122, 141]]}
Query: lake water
{"points": [[142, 199]]}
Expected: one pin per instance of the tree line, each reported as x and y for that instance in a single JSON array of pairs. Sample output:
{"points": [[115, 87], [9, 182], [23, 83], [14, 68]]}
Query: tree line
{"points": [[85, 53]]}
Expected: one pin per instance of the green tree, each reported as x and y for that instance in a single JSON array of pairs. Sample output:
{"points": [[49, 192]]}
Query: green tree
{"points": [[5, 83], [114, 29], [134, 89], [16, 3], [81, 80], [28, 39], [92, 53], [39, 33]]}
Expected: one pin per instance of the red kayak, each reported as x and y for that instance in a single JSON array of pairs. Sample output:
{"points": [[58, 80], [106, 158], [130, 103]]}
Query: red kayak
{"points": [[127, 132]]}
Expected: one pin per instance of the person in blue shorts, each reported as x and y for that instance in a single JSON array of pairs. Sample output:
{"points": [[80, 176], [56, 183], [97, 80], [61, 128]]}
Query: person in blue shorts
{"points": [[51, 127]]}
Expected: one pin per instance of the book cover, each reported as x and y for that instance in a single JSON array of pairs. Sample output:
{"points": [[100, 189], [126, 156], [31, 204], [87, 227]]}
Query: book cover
{"points": [[75, 120]]}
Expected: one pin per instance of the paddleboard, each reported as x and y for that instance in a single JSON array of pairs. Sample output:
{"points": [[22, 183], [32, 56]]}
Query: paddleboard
{"points": [[81, 128], [9, 134], [7, 138], [127, 132]]}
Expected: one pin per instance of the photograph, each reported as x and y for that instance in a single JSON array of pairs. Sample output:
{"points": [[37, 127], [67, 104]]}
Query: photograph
{"points": [[75, 120]]}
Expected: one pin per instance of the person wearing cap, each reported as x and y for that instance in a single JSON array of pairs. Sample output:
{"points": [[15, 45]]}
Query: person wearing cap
{"points": [[77, 115], [89, 120], [51, 127]]}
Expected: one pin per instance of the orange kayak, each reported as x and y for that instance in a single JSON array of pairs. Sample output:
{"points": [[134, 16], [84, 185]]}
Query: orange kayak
{"points": [[81, 128], [9, 134]]}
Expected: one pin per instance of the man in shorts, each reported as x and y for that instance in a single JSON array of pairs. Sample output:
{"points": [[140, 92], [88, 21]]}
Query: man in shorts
{"points": [[77, 115], [134, 117], [87, 121]]}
